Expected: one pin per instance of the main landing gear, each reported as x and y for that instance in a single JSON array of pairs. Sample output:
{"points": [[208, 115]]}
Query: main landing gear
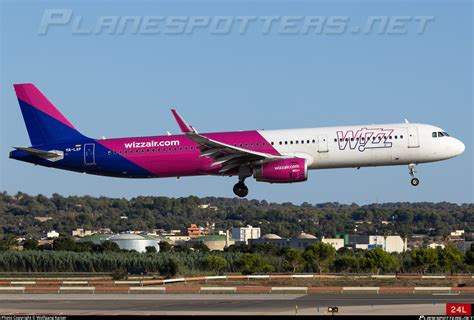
{"points": [[412, 170], [240, 189]]}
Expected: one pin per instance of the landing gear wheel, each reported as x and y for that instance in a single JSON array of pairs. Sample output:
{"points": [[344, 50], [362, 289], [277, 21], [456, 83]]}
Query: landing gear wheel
{"points": [[241, 190], [415, 182]]}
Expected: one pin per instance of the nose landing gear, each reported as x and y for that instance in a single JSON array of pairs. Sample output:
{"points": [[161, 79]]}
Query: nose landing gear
{"points": [[412, 171]]}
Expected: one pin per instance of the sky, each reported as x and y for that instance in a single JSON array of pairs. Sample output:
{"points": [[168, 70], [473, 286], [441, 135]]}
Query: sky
{"points": [[286, 75]]}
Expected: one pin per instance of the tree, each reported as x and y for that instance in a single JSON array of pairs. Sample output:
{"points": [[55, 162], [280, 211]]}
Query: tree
{"points": [[30, 244], [319, 256], [251, 263], [423, 259], [169, 268], [164, 246], [216, 263], [450, 259], [201, 247], [150, 249], [294, 260], [470, 257], [8, 242], [346, 263], [64, 244], [378, 260], [109, 246]]}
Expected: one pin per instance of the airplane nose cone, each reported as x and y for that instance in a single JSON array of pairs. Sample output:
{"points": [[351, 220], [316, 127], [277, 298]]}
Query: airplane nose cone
{"points": [[458, 147]]}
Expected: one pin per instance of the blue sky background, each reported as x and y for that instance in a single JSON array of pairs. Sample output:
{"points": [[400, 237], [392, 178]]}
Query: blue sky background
{"points": [[124, 85]]}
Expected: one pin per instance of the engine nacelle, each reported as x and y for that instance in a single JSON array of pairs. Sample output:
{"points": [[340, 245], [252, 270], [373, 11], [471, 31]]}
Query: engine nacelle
{"points": [[282, 171]]}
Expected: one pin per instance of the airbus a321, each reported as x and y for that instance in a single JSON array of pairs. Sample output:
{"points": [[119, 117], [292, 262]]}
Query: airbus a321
{"points": [[273, 156]]}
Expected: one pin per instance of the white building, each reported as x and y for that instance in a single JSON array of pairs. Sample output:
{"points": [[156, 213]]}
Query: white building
{"points": [[336, 243], [52, 234], [246, 233], [435, 245], [395, 244], [457, 233]]}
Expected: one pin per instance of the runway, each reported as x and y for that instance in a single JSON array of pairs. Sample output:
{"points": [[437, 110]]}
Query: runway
{"points": [[360, 303]]}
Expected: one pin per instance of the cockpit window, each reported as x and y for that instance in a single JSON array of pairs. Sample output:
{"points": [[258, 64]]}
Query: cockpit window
{"points": [[440, 134], [434, 135], [446, 134]]}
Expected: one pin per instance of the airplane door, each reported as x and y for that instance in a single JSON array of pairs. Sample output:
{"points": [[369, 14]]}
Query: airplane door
{"points": [[413, 141], [89, 153], [323, 143]]}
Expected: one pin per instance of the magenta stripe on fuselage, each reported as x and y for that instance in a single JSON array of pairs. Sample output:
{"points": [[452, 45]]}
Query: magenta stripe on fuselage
{"points": [[180, 156], [31, 95]]}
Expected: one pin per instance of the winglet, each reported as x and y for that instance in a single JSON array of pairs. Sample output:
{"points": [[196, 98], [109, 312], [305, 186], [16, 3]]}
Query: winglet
{"points": [[185, 128]]}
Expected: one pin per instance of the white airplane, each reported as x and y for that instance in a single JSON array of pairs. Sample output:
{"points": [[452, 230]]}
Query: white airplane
{"points": [[274, 156]]}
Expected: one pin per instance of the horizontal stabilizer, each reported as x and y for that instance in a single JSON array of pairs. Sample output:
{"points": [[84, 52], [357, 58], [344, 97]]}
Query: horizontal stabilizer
{"points": [[52, 155]]}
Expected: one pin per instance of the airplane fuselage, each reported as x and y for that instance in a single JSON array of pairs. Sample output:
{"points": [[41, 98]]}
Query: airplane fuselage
{"points": [[326, 147]]}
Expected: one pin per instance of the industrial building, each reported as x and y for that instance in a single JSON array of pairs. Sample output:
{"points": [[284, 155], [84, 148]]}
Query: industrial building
{"points": [[300, 242], [213, 242], [126, 241]]}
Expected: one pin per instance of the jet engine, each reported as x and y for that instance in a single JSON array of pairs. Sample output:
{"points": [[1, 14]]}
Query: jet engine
{"points": [[282, 171]]}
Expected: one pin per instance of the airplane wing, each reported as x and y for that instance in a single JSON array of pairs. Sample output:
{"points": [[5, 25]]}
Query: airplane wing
{"points": [[227, 155]]}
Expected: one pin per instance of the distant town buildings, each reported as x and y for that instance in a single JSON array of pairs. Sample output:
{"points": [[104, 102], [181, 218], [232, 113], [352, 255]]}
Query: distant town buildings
{"points": [[243, 234], [79, 233], [195, 231], [43, 219], [208, 206], [457, 233], [52, 234]]}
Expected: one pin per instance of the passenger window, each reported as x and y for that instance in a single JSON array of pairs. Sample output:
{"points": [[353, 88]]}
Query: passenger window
{"points": [[302, 141], [401, 136], [272, 143], [147, 150], [126, 151], [280, 142], [263, 144], [286, 142], [307, 141], [120, 151], [291, 142], [296, 141], [257, 144]]}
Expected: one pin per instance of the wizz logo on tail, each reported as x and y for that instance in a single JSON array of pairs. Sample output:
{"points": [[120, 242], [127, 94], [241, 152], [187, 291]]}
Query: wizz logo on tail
{"points": [[365, 138]]}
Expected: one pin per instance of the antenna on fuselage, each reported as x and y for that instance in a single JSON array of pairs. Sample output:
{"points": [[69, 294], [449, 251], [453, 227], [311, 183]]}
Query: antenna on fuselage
{"points": [[406, 120], [169, 133]]}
